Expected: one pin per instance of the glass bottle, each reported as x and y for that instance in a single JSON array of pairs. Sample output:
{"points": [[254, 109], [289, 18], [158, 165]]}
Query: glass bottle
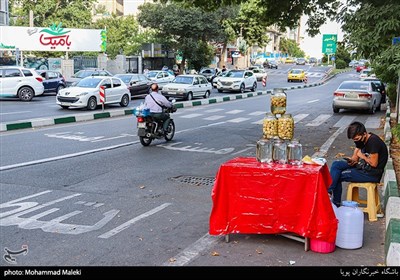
{"points": [[264, 150], [270, 126], [286, 127], [278, 101], [295, 152], [280, 151]]}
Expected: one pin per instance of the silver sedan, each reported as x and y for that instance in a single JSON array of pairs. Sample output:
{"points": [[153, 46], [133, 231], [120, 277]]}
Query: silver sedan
{"points": [[357, 95]]}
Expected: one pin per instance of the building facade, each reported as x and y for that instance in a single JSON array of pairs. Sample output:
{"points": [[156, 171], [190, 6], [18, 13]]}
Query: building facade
{"points": [[4, 13]]}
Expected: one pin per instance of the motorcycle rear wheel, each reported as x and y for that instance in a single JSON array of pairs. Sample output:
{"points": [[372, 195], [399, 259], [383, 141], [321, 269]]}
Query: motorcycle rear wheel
{"points": [[145, 141], [170, 132]]}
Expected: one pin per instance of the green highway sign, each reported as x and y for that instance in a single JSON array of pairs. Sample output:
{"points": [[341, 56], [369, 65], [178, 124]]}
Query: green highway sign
{"points": [[329, 43]]}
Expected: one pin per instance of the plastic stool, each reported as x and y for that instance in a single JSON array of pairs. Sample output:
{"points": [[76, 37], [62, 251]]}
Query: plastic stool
{"points": [[373, 205]]}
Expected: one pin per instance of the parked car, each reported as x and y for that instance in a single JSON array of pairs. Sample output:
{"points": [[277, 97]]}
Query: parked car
{"points": [[365, 73], [358, 95], [86, 73], [138, 84], [296, 75], [313, 60], [187, 87], [289, 60], [53, 81], [360, 66], [259, 73], [209, 73], [219, 75], [86, 93], [237, 80], [160, 77], [20, 82], [353, 63], [381, 87]]}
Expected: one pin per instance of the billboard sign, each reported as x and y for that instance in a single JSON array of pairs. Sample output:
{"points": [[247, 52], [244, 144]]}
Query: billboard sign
{"points": [[53, 38], [329, 43]]}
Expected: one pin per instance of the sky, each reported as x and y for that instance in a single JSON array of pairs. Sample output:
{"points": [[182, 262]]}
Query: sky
{"points": [[313, 46]]}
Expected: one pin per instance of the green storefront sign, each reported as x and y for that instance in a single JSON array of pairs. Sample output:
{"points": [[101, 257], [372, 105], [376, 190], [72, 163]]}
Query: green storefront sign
{"points": [[329, 43]]}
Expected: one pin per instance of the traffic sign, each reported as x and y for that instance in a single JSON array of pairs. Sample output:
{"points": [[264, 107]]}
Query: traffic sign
{"points": [[396, 40], [102, 94], [333, 58], [329, 43]]}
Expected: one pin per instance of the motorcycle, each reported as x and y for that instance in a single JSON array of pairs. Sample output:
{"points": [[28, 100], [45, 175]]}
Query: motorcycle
{"points": [[149, 129]]}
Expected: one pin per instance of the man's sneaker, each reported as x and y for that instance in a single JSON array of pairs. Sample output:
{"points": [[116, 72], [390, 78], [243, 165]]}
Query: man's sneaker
{"points": [[380, 215]]}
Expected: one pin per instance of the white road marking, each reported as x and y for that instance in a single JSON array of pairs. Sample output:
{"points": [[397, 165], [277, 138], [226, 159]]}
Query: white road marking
{"points": [[10, 113], [257, 113], [189, 116], [192, 251], [234, 112], [127, 224], [213, 110], [313, 101], [299, 117], [325, 147], [372, 122], [344, 121], [238, 120], [319, 120], [213, 118]]}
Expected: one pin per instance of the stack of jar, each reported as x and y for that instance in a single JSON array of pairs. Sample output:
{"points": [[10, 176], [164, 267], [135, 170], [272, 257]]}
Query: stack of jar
{"points": [[278, 132]]}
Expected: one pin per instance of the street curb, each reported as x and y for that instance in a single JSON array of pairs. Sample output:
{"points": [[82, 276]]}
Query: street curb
{"points": [[391, 204], [41, 122]]}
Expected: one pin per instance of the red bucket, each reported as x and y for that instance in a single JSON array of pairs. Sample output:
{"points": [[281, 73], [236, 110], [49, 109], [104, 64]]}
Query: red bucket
{"points": [[320, 246]]}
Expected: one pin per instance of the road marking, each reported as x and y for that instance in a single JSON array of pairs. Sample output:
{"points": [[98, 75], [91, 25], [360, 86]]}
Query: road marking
{"points": [[319, 120], [325, 147], [313, 101], [213, 118], [214, 110], [234, 112], [257, 113], [191, 116], [344, 121], [238, 120], [191, 252], [127, 224], [299, 117], [372, 122], [10, 113]]}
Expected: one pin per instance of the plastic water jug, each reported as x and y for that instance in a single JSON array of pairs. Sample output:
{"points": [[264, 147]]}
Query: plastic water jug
{"points": [[350, 227]]}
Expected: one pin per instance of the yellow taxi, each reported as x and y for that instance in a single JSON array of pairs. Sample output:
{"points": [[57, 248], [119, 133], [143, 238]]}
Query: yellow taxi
{"points": [[296, 75], [289, 60]]}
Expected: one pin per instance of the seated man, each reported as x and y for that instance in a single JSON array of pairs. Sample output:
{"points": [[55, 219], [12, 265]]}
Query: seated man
{"points": [[367, 163], [155, 102]]}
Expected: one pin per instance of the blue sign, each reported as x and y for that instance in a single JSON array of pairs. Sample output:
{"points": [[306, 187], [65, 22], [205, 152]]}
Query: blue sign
{"points": [[333, 58], [396, 40]]}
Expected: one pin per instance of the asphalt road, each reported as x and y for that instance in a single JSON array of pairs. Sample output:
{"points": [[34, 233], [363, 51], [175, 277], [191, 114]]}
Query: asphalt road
{"points": [[88, 194]]}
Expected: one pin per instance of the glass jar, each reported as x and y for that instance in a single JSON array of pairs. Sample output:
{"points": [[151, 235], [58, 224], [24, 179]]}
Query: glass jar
{"points": [[295, 152], [280, 151], [264, 151], [270, 126], [278, 101], [286, 127]]}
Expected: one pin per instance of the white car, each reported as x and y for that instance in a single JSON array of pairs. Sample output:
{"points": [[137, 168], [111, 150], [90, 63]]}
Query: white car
{"points": [[86, 93], [219, 76], [160, 77], [366, 73], [259, 73], [237, 80], [20, 82], [187, 87]]}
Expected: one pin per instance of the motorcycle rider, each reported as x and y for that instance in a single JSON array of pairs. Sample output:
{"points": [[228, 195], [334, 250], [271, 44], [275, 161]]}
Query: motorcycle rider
{"points": [[156, 102]]}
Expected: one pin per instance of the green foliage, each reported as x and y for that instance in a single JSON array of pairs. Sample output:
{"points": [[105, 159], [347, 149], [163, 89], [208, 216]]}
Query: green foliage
{"points": [[291, 48], [283, 13], [340, 64], [387, 64], [202, 54], [396, 131], [122, 35], [342, 54], [391, 92]]}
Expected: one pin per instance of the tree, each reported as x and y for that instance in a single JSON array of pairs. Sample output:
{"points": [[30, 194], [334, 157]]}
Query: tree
{"points": [[290, 47], [283, 13], [122, 35]]}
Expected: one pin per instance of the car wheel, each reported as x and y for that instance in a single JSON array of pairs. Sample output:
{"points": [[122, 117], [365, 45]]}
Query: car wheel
{"points": [[220, 90], [372, 110], [189, 96], [336, 110], [207, 94], [92, 103], [242, 88], [25, 94], [254, 87], [59, 87], [288, 81], [124, 100]]}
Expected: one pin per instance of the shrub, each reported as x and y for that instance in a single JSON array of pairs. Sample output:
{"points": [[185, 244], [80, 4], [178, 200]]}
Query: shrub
{"points": [[391, 93], [340, 64]]}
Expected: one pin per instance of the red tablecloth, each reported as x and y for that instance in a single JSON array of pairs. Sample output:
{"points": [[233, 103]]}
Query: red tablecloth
{"points": [[251, 197]]}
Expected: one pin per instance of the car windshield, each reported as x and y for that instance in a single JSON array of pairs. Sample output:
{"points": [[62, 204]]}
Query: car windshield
{"points": [[125, 78], [183, 80], [89, 83], [295, 71], [152, 74], [84, 73], [354, 85], [235, 74]]}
